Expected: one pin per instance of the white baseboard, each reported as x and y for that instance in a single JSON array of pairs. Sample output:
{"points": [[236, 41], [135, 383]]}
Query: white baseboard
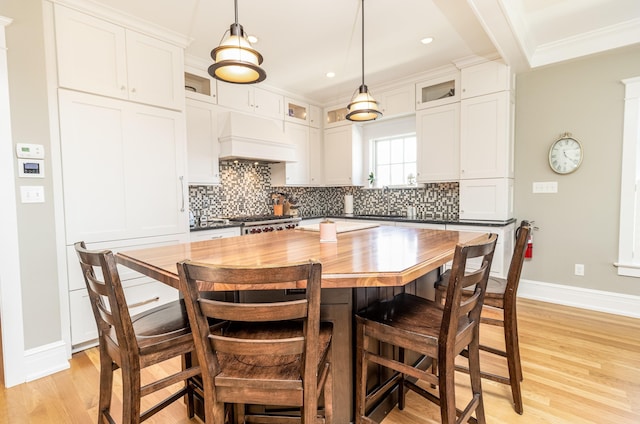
{"points": [[45, 360], [595, 300]]}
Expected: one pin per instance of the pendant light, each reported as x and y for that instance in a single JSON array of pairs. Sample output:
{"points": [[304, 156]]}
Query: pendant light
{"points": [[363, 106], [235, 60]]}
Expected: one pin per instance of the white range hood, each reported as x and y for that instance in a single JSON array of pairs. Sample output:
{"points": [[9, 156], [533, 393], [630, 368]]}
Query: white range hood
{"points": [[251, 137]]}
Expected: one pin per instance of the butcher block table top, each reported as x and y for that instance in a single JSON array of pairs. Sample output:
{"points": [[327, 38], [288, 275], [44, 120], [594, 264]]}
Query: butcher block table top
{"points": [[374, 257]]}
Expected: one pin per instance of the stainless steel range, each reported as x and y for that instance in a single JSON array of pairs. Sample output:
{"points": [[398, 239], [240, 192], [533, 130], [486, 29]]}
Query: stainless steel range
{"points": [[255, 224]]}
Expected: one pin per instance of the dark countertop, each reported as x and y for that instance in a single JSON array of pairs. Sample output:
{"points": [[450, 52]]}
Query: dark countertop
{"points": [[420, 220], [215, 226]]}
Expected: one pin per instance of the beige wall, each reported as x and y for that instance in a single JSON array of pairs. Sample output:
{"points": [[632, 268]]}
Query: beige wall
{"points": [[30, 124], [580, 223]]}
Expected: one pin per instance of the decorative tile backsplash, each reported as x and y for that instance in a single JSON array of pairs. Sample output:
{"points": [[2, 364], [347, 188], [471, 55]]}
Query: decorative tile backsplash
{"points": [[246, 190]]}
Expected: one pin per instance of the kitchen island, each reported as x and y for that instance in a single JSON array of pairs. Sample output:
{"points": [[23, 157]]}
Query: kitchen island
{"points": [[361, 267]]}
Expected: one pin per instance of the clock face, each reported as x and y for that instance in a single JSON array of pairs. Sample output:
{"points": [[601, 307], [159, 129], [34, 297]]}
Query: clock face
{"points": [[565, 155]]}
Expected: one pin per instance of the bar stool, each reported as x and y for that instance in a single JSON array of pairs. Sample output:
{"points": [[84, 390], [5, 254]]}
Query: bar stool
{"points": [[271, 353], [132, 343], [502, 295], [439, 334]]}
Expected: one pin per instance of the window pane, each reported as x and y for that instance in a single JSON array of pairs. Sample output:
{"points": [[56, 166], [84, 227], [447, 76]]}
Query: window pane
{"points": [[410, 151], [397, 174], [410, 172], [397, 151], [382, 151], [383, 177]]}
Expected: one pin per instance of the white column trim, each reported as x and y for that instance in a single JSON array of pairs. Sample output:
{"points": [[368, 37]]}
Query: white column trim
{"points": [[10, 280]]}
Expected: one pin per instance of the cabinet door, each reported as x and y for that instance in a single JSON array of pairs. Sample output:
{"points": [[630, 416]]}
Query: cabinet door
{"points": [[485, 78], [268, 104], [438, 91], [203, 147], [486, 142], [486, 199], [343, 156], [315, 116], [316, 157], [235, 96], [214, 234], [397, 102], [296, 111], [91, 54], [438, 131], [123, 164], [155, 71]]}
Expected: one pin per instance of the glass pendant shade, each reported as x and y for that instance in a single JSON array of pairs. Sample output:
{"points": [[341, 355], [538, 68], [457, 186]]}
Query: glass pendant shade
{"points": [[363, 106], [235, 59]]}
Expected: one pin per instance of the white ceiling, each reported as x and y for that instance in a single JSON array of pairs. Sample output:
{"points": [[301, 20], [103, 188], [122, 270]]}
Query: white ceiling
{"points": [[301, 40]]}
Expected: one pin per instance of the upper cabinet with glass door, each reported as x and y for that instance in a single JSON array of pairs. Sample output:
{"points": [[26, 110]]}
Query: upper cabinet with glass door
{"points": [[438, 91], [296, 111]]}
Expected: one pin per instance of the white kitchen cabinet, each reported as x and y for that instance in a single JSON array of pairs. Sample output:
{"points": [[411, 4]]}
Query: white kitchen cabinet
{"points": [[485, 78], [504, 246], [124, 167], [297, 172], [316, 157], [296, 111], [203, 147], [99, 57], [486, 199], [397, 101], [438, 91], [214, 234], [199, 85], [486, 136], [247, 98], [438, 136], [315, 116], [343, 156]]}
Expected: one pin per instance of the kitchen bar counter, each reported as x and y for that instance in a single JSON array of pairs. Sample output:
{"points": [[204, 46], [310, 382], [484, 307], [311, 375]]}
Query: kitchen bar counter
{"points": [[359, 268]]}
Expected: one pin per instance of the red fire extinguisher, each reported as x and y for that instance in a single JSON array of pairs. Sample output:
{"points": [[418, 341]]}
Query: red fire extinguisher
{"points": [[529, 252]]}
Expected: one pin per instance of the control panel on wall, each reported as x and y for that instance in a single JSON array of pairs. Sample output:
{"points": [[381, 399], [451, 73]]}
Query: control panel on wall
{"points": [[30, 160], [31, 165]]}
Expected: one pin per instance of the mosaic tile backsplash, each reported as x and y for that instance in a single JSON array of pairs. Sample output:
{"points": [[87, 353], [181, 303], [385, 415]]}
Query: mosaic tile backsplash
{"points": [[246, 190]]}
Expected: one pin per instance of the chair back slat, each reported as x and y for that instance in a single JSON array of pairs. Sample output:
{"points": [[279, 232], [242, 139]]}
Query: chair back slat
{"points": [[276, 347], [253, 312]]}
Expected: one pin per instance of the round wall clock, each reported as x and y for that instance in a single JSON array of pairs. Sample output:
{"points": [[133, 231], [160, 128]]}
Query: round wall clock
{"points": [[565, 154]]}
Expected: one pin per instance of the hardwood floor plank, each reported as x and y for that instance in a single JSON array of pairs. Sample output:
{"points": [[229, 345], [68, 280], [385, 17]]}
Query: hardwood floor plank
{"points": [[580, 367]]}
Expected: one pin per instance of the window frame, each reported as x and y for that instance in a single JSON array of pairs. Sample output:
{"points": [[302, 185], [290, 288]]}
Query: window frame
{"points": [[629, 239]]}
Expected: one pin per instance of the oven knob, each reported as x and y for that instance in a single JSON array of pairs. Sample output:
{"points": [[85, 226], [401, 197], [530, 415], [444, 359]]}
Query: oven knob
{"points": [[279, 228], [255, 230]]}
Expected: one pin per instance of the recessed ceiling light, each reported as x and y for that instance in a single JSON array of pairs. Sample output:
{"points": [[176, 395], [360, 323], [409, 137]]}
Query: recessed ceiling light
{"points": [[252, 39], [331, 74], [426, 40]]}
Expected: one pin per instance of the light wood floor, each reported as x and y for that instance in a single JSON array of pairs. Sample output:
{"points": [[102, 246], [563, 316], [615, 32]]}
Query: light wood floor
{"points": [[579, 367]]}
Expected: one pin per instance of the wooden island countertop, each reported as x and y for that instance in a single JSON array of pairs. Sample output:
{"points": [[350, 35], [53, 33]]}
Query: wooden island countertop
{"points": [[383, 256]]}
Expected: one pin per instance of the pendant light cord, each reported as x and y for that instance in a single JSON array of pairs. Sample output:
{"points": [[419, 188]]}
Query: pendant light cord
{"points": [[236, 10], [362, 9]]}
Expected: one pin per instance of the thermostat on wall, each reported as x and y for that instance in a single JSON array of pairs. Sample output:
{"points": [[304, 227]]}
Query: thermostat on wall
{"points": [[30, 168], [30, 151]]}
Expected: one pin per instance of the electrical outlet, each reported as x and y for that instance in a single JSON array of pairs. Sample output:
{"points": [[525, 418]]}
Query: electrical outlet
{"points": [[579, 269]]}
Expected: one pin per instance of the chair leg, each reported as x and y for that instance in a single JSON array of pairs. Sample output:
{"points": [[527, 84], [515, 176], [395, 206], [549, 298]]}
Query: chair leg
{"points": [[446, 389], [106, 385], [187, 362], [361, 375], [476, 379], [513, 359], [401, 389], [328, 398], [130, 394]]}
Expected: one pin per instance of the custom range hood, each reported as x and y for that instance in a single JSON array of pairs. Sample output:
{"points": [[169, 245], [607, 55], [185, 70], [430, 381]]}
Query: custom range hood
{"points": [[253, 138]]}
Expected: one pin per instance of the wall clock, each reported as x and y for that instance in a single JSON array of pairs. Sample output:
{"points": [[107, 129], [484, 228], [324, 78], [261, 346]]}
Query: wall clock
{"points": [[565, 154]]}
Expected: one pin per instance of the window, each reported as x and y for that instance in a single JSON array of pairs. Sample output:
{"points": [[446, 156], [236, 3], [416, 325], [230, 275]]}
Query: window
{"points": [[629, 247], [395, 160]]}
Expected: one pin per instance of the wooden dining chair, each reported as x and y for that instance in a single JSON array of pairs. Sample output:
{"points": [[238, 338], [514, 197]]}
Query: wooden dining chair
{"points": [[501, 297], [271, 353], [132, 343], [437, 334]]}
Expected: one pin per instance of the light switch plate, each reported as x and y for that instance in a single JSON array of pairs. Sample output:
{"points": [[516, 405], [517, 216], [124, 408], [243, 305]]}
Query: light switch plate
{"points": [[32, 194], [545, 187]]}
